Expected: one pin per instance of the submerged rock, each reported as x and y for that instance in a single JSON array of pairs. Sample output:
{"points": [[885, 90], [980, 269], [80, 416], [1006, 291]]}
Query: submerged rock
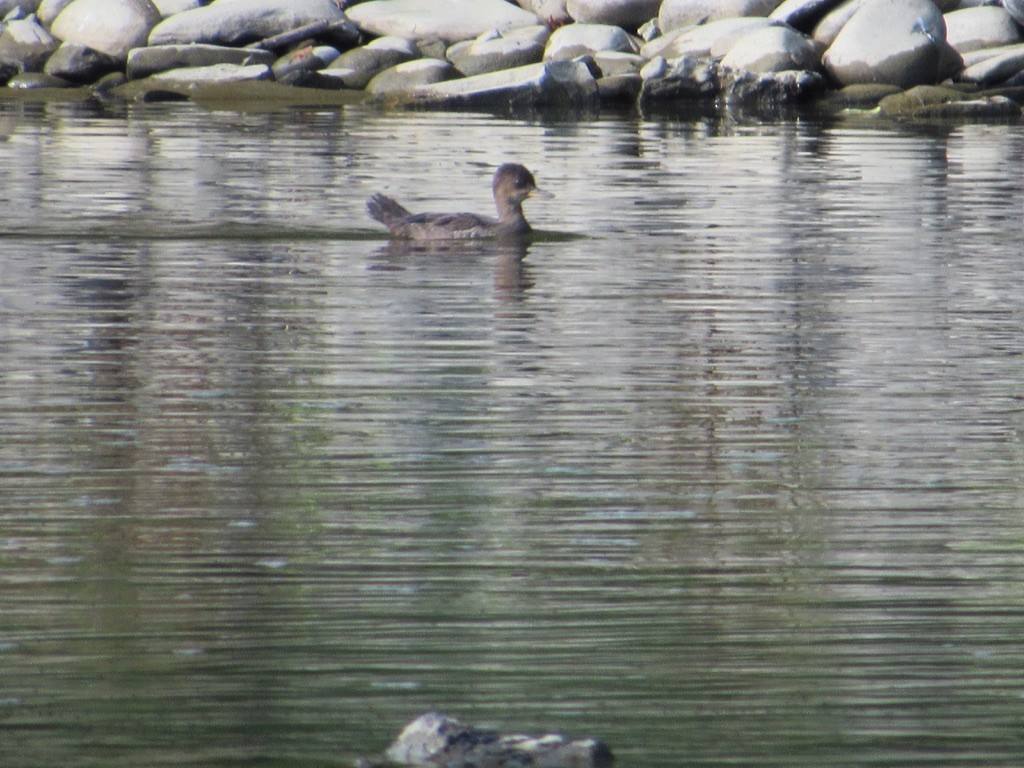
{"points": [[436, 741]]}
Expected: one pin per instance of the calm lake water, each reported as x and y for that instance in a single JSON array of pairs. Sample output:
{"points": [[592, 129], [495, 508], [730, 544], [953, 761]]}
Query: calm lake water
{"points": [[729, 470]]}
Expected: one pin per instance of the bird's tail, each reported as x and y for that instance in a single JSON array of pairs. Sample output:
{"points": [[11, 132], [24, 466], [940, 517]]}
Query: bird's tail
{"points": [[385, 210]]}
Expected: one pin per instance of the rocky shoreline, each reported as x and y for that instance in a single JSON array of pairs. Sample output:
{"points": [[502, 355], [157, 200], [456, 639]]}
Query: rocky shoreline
{"points": [[920, 58]]}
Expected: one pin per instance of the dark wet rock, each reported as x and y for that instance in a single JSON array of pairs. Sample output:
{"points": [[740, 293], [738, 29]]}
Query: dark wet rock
{"points": [[143, 62], [773, 49], [827, 30], [1016, 9], [803, 15], [338, 33], [450, 21], [434, 740], [80, 63], [355, 68], [628, 14], [901, 42], [8, 69], [410, 76], [685, 13], [1005, 63], [107, 83], [712, 39], [574, 40], [684, 79], [619, 89], [26, 43], [972, 29], [771, 88], [292, 67], [493, 51], [31, 81], [237, 22], [113, 27], [568, 84]]}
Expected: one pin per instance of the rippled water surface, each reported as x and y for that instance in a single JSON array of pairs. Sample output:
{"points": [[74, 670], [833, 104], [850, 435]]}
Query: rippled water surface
{"points": [[729, 470]]}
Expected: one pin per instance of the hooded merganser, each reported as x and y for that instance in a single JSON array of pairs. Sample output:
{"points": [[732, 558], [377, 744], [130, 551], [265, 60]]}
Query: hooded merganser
{"points": [[512, 185]]}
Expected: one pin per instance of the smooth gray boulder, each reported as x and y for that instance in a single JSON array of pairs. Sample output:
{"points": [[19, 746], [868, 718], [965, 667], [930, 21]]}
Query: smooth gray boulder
{"points": [[493, 51], [113, 27], [26, 43], [80, 64], [357, 67], [901, 42], [685, 13], [989, 26], [772, 49], [237, 22], [574, 40], [712, 39], [450, 21], [50, 9], [628, 14], [568, 84], [143, 62], [410, 76], [1005, 63]]}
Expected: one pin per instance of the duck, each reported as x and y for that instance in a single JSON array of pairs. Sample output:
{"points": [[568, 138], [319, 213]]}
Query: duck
{"points": [[512, 185]]}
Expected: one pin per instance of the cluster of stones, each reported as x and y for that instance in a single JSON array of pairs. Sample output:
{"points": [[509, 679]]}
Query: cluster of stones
{"points": [[926, 57], [434, 740]]}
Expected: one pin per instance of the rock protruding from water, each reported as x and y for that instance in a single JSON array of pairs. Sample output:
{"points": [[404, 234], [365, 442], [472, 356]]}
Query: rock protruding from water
{"points": [[437, 741]]}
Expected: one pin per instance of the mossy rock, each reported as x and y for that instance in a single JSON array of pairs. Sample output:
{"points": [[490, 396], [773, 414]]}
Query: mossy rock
{"points": [[910, 102]]}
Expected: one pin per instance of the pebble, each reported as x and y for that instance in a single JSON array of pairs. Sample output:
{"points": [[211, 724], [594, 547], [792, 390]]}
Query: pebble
{"points": [[531, 53], [574, 40]]}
